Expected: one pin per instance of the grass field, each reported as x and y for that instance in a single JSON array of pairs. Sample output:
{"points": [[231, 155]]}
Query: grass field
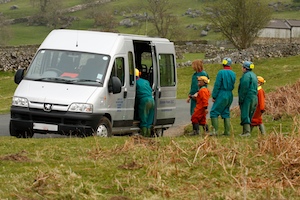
{"points": [[158, 168], [23, 34], [184, 167], [129, 168]]}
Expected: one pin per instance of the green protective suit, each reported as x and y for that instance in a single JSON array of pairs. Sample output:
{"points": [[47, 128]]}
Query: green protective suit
{"points": [[247, 96], [222, 93], [145, 103], [194, 88]]}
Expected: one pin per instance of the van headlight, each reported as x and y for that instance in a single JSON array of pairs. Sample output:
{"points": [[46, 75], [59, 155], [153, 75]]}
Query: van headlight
{"points": [[81, 107], [20, 101]]}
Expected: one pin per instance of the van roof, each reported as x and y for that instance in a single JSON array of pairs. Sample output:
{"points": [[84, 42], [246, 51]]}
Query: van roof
{"points": [[89, 41]]}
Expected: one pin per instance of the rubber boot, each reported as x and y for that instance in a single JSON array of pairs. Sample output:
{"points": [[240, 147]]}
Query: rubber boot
{"points": [[206, 129], [246, 130], [149, 132], [262, 129], [214, 123], [144, 131], [226, 127], [251, 128], [195, 129]]}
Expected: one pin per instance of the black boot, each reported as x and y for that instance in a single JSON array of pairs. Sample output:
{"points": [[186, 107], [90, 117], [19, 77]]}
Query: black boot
{"points": [[195, 129], [206, 129]]}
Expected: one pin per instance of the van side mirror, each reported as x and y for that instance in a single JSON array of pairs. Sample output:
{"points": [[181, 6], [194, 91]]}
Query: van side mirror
{"points": [[114, 85], [19, 76]]}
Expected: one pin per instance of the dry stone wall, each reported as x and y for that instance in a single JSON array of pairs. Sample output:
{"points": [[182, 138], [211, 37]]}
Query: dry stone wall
{"points": [[13, 58]]}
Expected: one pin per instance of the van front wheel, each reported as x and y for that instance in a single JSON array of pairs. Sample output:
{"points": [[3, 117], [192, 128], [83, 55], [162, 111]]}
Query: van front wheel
{"points": [[104, 128], [19, 133]]}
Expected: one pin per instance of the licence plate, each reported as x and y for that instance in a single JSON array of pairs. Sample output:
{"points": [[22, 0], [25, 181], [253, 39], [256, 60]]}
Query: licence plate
{"points": [[45, 127]]}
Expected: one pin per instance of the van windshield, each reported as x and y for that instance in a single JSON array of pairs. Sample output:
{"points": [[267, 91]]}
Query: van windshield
{"points": [[68, 67]]}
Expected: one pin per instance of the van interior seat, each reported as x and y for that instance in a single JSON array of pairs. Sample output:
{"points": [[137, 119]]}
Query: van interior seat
{"points": [[144, 71], [90, 70], [66, 63]]}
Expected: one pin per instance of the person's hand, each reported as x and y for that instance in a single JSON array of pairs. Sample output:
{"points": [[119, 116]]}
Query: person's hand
{"points": [[188, 100], [206, 111], [213, 100]]}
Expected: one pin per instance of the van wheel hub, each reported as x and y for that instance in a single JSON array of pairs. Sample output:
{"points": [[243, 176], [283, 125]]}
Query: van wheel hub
{"points": [[102, 131]]}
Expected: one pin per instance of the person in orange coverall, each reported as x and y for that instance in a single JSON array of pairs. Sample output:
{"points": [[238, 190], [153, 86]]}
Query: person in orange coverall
{"points": [[260, 108], [200, 111]]}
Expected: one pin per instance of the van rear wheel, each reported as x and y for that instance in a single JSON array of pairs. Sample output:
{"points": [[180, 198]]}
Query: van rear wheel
{"points": [[104, 128]]}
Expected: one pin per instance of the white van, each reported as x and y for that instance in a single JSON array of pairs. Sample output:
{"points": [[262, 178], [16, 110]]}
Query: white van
{"points": [[83, 83]]}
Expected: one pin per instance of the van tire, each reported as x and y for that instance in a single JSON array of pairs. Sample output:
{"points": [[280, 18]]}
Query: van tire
{"points": [[104, 128], [19, 133]]}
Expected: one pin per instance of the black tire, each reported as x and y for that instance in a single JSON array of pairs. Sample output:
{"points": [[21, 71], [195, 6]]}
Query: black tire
{"points": [[20, 133], [104, 128]]}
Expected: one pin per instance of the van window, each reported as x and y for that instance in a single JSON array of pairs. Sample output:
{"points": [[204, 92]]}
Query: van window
{"points": [[68, 67], [131, 68], [167, 70], [118, 69]]}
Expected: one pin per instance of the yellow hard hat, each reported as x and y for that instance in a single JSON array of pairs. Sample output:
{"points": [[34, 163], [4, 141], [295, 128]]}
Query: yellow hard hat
{"points": [[137, 72], [203, 78], [261, 79]]}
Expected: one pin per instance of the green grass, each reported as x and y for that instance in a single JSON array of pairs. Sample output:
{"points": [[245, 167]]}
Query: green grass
{"points": [[181, 167], [7, 88], [159, 168], [28, 35]]}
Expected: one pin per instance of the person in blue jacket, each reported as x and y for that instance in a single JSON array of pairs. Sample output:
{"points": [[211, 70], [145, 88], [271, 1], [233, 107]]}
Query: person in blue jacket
{"points": [[197, 66], [247, 92], [222, 97], [145, 104]]}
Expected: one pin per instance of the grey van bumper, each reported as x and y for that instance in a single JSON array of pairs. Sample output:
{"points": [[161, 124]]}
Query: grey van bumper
{"points": [[24, 119]]}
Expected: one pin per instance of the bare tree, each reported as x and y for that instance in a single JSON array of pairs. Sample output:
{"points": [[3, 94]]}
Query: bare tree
{"points": [[102, 14], [240, 21], [160, 15], [50, 13], [105, 20]]}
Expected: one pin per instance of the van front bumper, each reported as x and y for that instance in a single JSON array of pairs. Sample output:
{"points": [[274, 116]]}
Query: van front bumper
{"points": [[57, 122]]}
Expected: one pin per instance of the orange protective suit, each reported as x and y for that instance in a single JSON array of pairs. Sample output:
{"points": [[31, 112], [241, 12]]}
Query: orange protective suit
{"points": [[260, 108], [199, 115]]}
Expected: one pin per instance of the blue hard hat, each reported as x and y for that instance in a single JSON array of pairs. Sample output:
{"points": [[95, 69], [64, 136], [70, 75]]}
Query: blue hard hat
{"points": [[248, 65], [227, 61]]}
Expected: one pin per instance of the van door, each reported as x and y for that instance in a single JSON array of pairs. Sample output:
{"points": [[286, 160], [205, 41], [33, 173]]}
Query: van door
{"points": [[164, 83]]}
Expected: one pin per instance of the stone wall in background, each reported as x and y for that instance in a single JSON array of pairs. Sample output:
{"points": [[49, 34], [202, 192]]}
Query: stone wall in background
{"points": [[13, 58]]}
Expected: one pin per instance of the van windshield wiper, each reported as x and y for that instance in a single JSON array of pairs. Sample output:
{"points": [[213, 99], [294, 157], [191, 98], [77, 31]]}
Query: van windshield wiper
{"points": [[89, 80], [55, 79]]}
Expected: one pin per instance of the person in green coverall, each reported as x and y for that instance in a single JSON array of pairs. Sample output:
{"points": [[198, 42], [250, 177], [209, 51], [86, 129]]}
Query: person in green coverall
{"points": [[247, 96], [197, 66], [222, 97], [145, 104]]}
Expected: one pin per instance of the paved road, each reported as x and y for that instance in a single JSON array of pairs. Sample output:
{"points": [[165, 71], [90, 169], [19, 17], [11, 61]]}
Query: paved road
{"points": [[182, 118]]}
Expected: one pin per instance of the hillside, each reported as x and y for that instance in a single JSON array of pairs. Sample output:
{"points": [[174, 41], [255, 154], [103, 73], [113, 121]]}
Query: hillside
{"points": [[189, 15]]}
